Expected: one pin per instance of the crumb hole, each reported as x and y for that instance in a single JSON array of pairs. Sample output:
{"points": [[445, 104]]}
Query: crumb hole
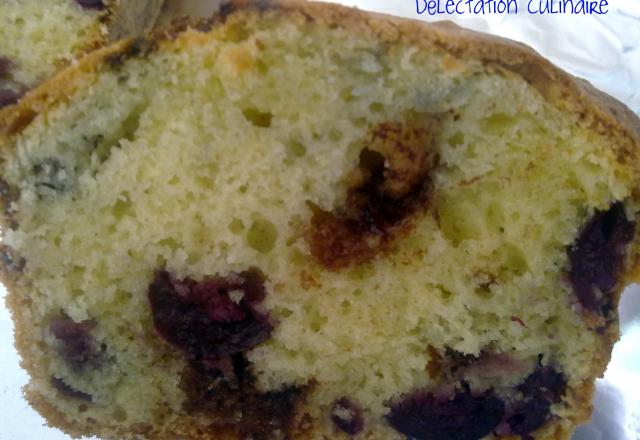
{"points": [[258, 118], [318, 322], [335, 135], [131, 124], [456, 139], [236, 226], [497, 123], [122, 296], [282, 312], [483, 292], [262, 236], [376, 107], [346, 94], [170, 243], [262, 67], [119, 414], [296, 149], [514, 260], [445, 294], [122, 207]]}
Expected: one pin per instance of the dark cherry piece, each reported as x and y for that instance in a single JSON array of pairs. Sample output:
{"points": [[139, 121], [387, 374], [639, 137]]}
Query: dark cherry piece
{"points": [[423, 416], [389, 187], [597, 255], [5, 67], [258, 415], [264, 414], [545, 381], [347, 416], [528, 416], [542, 388], [91, 4], [78, 346], [9, 97], [201, 317]]}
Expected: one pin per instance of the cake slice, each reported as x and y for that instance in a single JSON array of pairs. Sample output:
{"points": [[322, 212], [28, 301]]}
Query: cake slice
{"points": [[38, 37], [304, 221]]}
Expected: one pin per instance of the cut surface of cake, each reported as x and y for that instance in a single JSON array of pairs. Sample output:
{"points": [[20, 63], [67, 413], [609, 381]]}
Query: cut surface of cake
{"points": [[39, 37], [304, 221]]}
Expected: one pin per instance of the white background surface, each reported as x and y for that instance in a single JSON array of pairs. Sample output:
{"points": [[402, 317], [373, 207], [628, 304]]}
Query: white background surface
{"points": [[603, 49]]}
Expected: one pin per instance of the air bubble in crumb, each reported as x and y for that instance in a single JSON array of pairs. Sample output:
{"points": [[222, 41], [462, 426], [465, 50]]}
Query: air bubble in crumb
{"points": [[262, 236], [376, 107], [258, 118], [119, 414], [296, 149], [236, 226]]}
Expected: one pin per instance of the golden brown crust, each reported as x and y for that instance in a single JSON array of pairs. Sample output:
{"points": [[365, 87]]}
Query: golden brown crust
{"points": [[599, 111], [181, 429]]}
